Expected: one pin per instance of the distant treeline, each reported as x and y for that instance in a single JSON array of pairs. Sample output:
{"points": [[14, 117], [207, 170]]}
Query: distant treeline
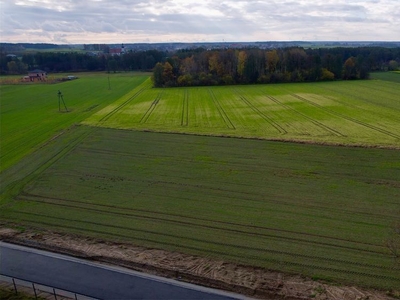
{"points": [[78, 62], [189, 67], [248, 66]]}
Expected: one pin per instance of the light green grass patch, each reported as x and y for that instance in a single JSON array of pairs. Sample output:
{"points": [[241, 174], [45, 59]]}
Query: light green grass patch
{"points": [[335, 112], [30, 113]]}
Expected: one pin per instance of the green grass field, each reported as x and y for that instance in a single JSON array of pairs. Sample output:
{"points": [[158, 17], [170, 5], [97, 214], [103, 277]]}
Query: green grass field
{"points": [[318, 210], [322, 211], [393, 76], [355, 113], [30, 114]]}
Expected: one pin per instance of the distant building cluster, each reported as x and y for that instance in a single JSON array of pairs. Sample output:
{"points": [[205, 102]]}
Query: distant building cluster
{"points": [[118, 51], [35, 75]]}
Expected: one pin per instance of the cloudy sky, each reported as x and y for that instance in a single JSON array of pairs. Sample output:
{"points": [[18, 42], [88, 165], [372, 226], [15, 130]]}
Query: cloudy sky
{"points": [[129, 21]]}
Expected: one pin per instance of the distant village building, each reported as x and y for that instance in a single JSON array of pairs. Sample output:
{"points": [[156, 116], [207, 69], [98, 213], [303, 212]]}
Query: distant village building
{"points": [[118, 51], [37, 75]]}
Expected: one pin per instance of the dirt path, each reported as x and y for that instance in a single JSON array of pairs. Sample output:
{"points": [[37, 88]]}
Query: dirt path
{"points": [[247, 280]]}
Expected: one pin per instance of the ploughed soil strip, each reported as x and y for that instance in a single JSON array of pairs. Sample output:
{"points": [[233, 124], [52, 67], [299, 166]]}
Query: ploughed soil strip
{"points": [[247, 280]]}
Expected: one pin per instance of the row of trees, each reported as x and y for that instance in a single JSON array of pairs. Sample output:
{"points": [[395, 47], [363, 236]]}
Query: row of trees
{"points": [[209, 67], [76, 62], [245, 66]]}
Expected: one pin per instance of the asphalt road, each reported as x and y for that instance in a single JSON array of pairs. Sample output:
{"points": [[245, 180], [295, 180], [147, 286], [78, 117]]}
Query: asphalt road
{"points": [[94, 279]]}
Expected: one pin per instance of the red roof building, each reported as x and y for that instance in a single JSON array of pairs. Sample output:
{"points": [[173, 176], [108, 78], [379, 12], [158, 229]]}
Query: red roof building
{"points": [[37, 74]]}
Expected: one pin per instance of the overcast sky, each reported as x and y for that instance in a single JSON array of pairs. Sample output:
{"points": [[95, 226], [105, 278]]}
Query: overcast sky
{"points": [[129, 21]]}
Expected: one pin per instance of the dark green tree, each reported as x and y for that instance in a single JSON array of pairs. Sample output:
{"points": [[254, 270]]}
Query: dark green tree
{"points": [[157, 76]]}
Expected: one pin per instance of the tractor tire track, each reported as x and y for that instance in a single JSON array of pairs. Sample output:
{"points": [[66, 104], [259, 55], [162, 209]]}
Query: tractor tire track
{"points": [[279, 128], [255, 258], [164, 217], [360, 108], [221, 111], [224, 244], [315, 122], [150, 110], [49, 160], [119, 107], [383, 131], [236, 194]]}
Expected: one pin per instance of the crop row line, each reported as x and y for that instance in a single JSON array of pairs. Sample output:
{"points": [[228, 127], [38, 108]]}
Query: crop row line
{"points": [[234, 246], [221, 110], [150, 110], [280, 129], [315, 122], [185, 109], [347, 117], [90, 207], [119, 107]]}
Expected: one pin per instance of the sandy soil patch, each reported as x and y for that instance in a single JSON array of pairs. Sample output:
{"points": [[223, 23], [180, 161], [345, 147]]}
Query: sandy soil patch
{"points": [[247, 280]]}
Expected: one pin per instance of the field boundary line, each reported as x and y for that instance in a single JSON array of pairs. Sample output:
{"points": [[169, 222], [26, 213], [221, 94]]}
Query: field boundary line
{"points": [[351, 119], [221, 110], [185, 109], [280, 129], [152, 107], [223, 253], [119, 107], [315, 122], [243, 247]]}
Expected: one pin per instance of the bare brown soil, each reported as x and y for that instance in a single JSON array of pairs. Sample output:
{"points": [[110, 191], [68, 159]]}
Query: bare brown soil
{"points": [[247, 280]]}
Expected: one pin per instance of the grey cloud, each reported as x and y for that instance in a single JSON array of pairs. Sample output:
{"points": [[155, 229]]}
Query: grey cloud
{"points": [[238, 20]]}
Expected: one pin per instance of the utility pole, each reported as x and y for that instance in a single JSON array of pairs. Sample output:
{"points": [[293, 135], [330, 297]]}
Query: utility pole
{"points": [[61, 98]]}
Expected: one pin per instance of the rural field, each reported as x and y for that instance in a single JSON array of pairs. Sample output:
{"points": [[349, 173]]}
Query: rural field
{"points": [[350, 113], [314, 208], [393, 76], [30, 113]]}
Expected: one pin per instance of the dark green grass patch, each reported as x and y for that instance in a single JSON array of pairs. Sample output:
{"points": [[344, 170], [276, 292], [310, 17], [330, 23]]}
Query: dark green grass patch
{"points": [[387, 76], [320, 211]]}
